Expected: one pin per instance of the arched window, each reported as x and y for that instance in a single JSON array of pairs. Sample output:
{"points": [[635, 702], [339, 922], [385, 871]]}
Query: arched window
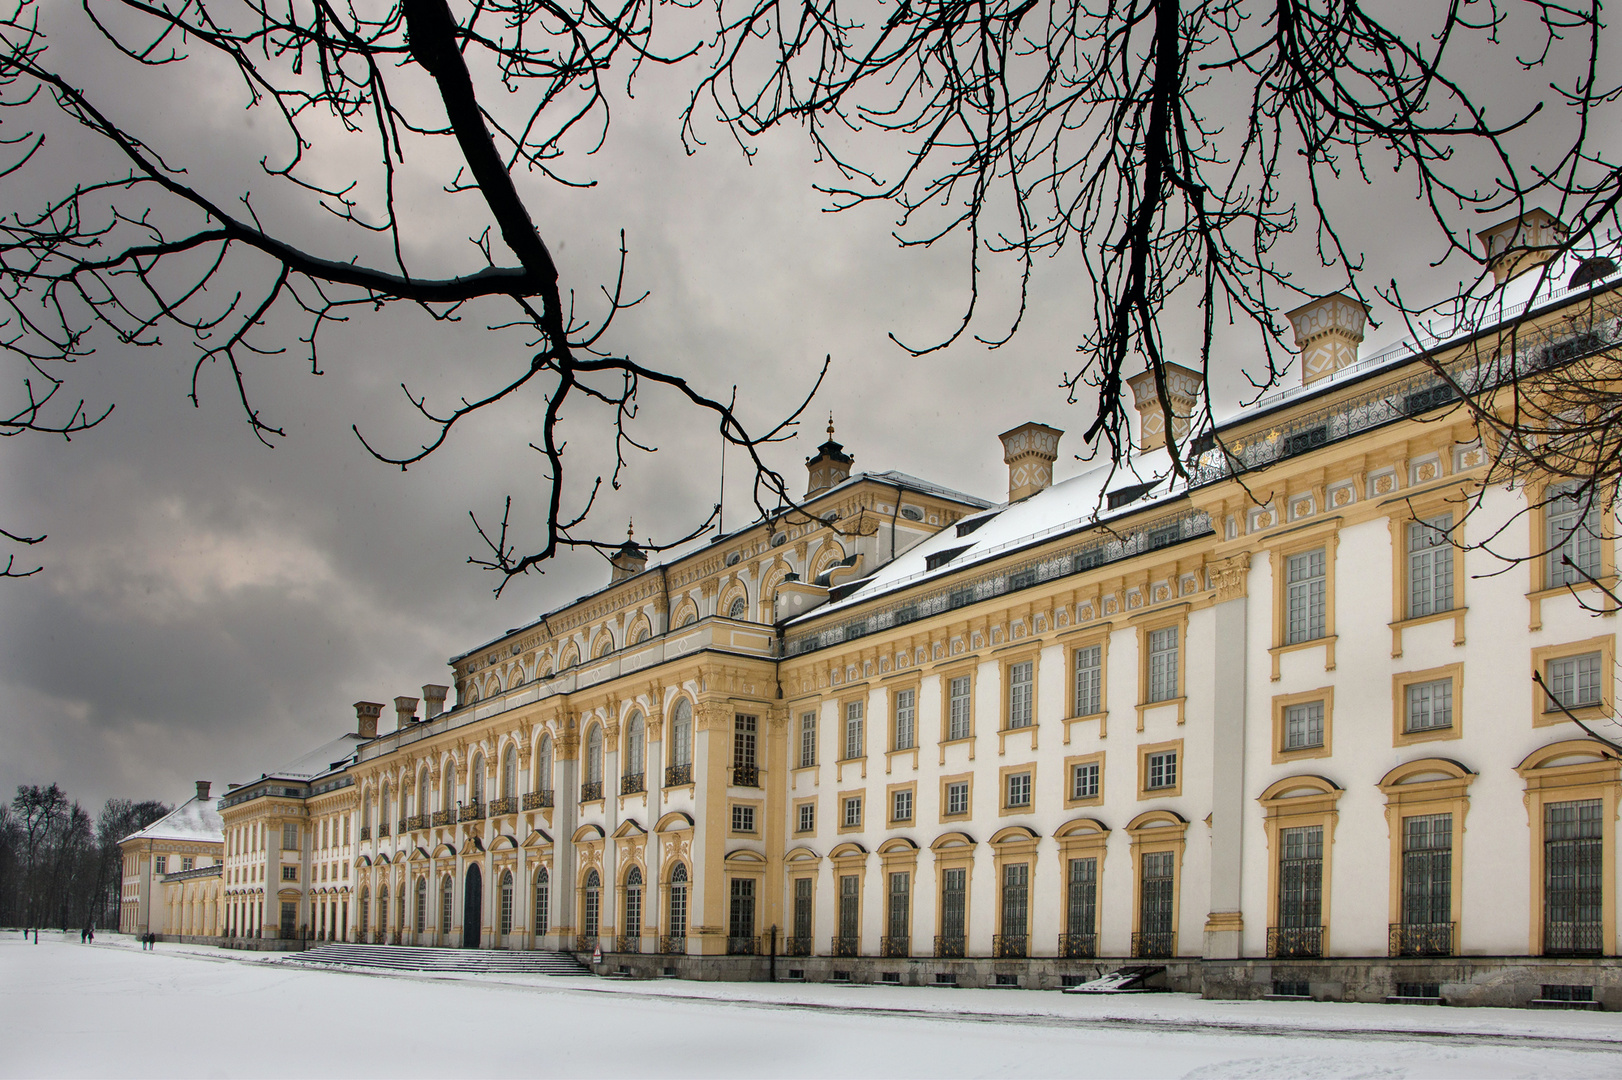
{"points": [[425, 798], [689, 618], [635, 746], [594, 755], [422, 904], [738, 608], [475, 780], [383, 910], [543, 765], [506, 901], [543, 899], [681, 733], [447, 786], [509, 774], [446, 900], [678, 901], [383, 815], [590, 905], [633, 902], [366, 816]]}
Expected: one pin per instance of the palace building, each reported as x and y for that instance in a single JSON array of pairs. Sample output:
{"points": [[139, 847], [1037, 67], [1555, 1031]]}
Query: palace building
{"points": [[1272, 727]]}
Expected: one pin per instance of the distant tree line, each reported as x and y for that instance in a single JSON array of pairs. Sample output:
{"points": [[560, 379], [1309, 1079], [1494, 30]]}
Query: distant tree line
{"points": [[60, 868]]}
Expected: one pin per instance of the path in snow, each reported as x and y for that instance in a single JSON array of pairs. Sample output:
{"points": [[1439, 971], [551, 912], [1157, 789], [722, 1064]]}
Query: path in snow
{"points": [[109, 1009]]}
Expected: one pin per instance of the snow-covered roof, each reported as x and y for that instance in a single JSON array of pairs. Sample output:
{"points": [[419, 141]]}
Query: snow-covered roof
{"points": [[326, 758], [195, 819]]}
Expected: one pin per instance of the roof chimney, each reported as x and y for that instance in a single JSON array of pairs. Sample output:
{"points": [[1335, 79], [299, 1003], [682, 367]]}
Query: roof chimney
{"points": [[202, 790], [435, 697], [1525, 241], [629, 560], [366, 714], [1183, 385], [830, 466], [1029, 451], [1328, 331], [405, 712]]}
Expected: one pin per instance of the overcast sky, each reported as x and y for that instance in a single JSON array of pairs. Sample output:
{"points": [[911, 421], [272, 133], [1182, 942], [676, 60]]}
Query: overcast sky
{"points": [[208, 608]]}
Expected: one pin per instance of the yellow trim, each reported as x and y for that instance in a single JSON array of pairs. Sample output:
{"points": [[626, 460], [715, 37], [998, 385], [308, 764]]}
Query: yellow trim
{"points": [[1300, 802], [1400, 735], [1070, 764], [1605, 645], [1281, 705], [890, 821], [794, 809], [1151, 832], [1145, 792], [1551, 777], [1412, 790], [853, 793], [956, 778], [1003, 809]]}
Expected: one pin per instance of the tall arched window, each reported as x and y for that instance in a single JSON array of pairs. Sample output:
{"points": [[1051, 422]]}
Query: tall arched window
{"points": [[678, 901], [543, 765], [366, 818], [506, 901], [446, 900], [475, 780], [425, 798], [635, 749], [633, 902], [422, 904], [681, 736], [384, 816], [509, 774], [383, 910], [739, 608], [590, 905], [543, 899], [447, 785], [594, 755]]}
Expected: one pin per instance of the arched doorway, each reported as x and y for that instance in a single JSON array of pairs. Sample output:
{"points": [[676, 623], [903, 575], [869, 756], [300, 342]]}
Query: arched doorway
{"points": [[472, 908]]}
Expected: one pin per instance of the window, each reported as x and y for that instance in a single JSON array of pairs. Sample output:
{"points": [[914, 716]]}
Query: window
{"points": [[1019, 790], [1156, 902], [187, 862], [741, 910], [635, 747], [1300, 891], [802, 910], [850, 907], [1573, 878], [1304, 600], [738, 608], [1081, 906], [476, 776], [1573, 681], [1429, 705], [960, 711], [954, 904], [594, 757], [1016, 888], [1571, 537], [1427, 883], [160, 864], [808, 739], [855, 745], [900, 913], [543, 765], [1304, 725], [743, 741], [1430, 566], [1160, 770], [289, 873], [509, 774], [743, 819], [957, 798], [1089, 680], [1084, 780], [807, 817], [681, 742], [906, 712], [633, 902], [289, 837], [901, 806], [543, 901], [591, 905], [678, 901], [506, 924], [1020, 679], [1163, 664], [853, 812]]}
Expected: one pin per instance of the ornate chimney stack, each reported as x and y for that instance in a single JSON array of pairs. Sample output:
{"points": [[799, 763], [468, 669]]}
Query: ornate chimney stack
{"points": [[629, 560], [1183, 386], [830, 466], [405, 712], [1328, 331], [1522, 243], [435, 697], [366, 714], [1029, 451], [202, 790]]}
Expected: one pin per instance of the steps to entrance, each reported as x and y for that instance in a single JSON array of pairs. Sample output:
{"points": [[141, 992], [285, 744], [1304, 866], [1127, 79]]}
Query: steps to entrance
{"points": [[458, 961]]}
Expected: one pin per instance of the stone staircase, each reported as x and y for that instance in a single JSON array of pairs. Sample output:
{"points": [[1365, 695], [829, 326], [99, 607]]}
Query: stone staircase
{"points": [[460, 961]]}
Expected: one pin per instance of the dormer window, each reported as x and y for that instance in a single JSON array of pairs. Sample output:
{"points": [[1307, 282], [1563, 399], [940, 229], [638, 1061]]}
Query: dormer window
{"points": [[941, 558]]}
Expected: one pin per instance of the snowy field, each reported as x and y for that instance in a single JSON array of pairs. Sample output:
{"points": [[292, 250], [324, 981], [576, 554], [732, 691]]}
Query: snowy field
{"points": [[111, 1010]]}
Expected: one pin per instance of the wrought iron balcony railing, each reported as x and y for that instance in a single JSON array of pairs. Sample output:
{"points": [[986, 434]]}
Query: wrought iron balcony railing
{"points": [[950, 947], [673, 945], [844, 945], [628, 943], [1422, 939], [743, 946], [1293, 942], [585, 942], [633, 783], [745, 776], [1573, 938], [472, 811], [1078, 946], [444, 817], [676, 775], [508, 805], [1156, 944], [1010, 946], [365, 832], [895, 945], [537, 800], [403, 826], [797, 946], [382, 829], [591, 791]]}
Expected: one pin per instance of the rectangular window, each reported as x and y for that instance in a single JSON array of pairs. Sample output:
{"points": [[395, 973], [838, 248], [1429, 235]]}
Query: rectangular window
{"points": [[741, 917], [1304, 597], [1161, 771], [1084, 781], [1163, 664], [961, 711], [289, 837], [1572, 538], [1019, 789], [901, 806], [1081, 911], [1020, 678], [1430, 566], [160, 864], [1016, 889], [900, 911], [1427, 875], [289, 873], [808, 740], [853, 812], [1430, 705], [743, 741], [802, 909], [1304, 725], [808, 817], [187, 862], [1300, 882], [855, 744], [957, 798], [1573, 681], [906, 713], [1573, 878], [1156, 898], [1089, 681], [743, 819], [850, 906], [954, 903]]}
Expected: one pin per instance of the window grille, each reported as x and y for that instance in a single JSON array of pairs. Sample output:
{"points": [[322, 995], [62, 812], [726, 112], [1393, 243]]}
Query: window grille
{"points": [[1304, 596], [1430, 566], [1156, 902], [1081, 902], [1089, 680], [289, 837], [900, 912], [850, 906], [802, 909], [954, 908], [1300, 892], [1163, 664], [1427, 885], [1573, 878], [591, 915], [1016, 879]]}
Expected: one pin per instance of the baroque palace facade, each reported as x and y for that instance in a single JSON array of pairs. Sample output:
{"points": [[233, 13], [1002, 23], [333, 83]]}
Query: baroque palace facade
{"points": [[1274, 728]]}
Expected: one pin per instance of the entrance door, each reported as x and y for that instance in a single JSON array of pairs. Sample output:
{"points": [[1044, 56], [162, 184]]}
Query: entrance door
{"points": [[472, 908]]}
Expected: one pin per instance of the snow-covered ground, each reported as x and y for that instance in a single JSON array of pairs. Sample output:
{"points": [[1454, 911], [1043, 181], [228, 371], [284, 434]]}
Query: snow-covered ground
{"points": [[112, 1010]]}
